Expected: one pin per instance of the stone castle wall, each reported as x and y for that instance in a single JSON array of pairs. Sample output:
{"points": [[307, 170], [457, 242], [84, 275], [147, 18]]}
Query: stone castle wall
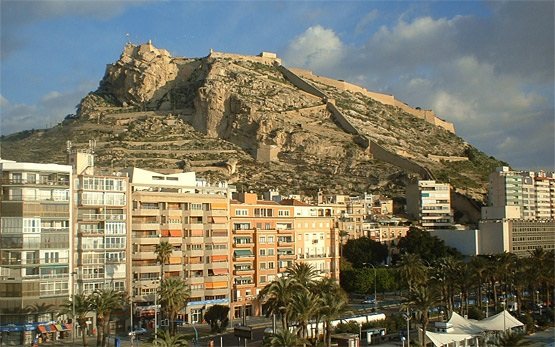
{"points": [[264, 58], [428, 115]]}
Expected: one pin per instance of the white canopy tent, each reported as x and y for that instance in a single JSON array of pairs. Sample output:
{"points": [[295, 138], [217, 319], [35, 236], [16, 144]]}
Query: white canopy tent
{"points": [[466, 332]]}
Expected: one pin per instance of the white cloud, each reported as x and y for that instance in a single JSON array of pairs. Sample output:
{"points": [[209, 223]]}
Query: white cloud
{"points": [[50, 110], [366, 21], [317, 48], [462, 74]]}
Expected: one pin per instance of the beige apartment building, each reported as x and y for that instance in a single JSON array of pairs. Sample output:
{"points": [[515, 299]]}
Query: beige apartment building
{"points": [[429, 202], [35, 243], [193, 217], [268, 237]]}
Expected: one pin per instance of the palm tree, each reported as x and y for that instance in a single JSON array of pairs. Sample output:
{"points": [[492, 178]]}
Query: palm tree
{"points": [[421, 299], [510, 339], [174, 294], [284, 337], [412, 270], [82, 309], [166, 339], [104, 302], [275, 297], [163, 251], [304, 274], [479, 268], [333, 307], [303, 307], [39, 308]]}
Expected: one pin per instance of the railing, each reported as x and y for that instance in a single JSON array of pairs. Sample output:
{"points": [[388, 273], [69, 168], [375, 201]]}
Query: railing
{"points": [[40, 182], [101, 217]]}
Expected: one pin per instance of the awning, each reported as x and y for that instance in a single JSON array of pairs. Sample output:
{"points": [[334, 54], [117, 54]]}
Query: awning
{"points": [[220, 272], [219, 219], [165, 233], [215, 285], [176, 233], [53, 328], [175, 260], [60, 327], [219, 205], [68, 326], [242, 253], [219, 258], [197, 232], [42, 329]]}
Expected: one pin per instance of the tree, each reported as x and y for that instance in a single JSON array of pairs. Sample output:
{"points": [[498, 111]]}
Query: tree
{"points": [[217, 317], [421, 299], [163, 251], [510, 339], [302, 273], [284, 337], [166, 339], [428, 247], [363, 251], [39, 308], [333, 307], [174, 294], [275, 297], [302, 308], [82, 308], [104, 302], [412, 270]]}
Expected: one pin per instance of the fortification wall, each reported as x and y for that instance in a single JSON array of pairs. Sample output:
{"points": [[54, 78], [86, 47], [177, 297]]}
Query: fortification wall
{"points": [[300, 83], [267, 60], [341, 120], [380, 153], [439, 158], [386, 99]]}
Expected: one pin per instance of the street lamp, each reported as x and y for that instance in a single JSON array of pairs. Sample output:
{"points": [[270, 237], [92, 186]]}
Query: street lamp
{"points": [[407, 318], [375, 283], [73, 320]]}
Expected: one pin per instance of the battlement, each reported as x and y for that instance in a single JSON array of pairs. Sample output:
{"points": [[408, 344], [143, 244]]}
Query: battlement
{"points": [[386, 99], [266, 58]]}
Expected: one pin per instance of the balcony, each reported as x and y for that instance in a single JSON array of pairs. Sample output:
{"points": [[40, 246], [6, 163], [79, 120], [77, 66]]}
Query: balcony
{"points": [[146, 212], [146, 240], [198, 266], [146, 268], [216, 239], [249, 244], [155, 226], [243, 271], [286, 256], [143, 256], [288, 243]]}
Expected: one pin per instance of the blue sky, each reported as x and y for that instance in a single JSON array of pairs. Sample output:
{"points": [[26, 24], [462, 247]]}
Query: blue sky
{"points": [[488, 67]]}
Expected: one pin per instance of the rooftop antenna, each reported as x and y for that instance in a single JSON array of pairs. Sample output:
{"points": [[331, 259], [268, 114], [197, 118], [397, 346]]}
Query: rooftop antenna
{"points": [[128, 38]]}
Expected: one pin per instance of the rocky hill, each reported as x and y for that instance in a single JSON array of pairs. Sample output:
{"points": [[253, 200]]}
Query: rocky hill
{"points": [[218, 114]]}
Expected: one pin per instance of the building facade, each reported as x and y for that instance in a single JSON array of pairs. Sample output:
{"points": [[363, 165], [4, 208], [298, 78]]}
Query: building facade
{"points": [[429, 202], [35, 244], [192, 217]]}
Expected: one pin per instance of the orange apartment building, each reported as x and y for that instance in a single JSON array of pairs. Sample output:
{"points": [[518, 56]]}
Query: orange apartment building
{"points": [[268, 237], [193, 217]]}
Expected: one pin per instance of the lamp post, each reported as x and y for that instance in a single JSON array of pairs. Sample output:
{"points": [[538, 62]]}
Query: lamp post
{"points": [[156, 310], [375, 283], [73, 320], [407, 318]]}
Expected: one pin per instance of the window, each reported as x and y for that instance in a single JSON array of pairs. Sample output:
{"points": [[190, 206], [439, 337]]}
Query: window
{"points": [[262, 252], [283, 213], [262, 279], [262, 239], [241, 212], [270, 251], [270, 265], [270, 239], [262, 266]]}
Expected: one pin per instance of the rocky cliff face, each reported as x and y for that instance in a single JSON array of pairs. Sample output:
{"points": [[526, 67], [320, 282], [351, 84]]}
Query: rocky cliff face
{"points": [[156, 111]]}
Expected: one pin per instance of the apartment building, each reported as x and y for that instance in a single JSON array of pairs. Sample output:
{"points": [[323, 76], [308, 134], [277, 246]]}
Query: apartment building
{"points": [[348, 212], [269, 237], [192, 216], [533, 192], [35, 244], [102, 226], [316, 238], [429, 202]]}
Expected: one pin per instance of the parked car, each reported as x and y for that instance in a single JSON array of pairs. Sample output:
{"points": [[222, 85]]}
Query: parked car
{"points": [[369, 300]]}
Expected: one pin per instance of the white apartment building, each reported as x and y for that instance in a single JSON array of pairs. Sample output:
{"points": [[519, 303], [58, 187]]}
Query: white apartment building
{"points": [[429, 202], [533, 192], [35, 244]]}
